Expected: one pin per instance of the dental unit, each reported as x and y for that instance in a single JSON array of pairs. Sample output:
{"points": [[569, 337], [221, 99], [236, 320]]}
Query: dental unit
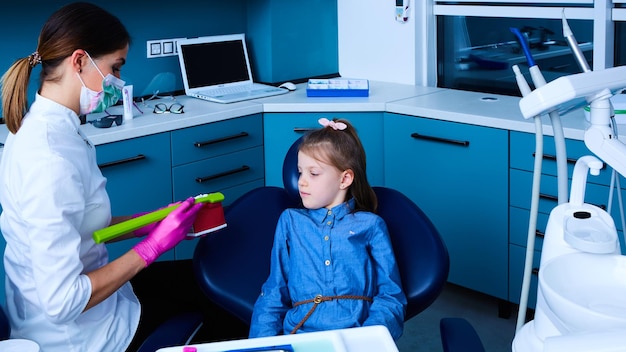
{"points": [[581, 296]]}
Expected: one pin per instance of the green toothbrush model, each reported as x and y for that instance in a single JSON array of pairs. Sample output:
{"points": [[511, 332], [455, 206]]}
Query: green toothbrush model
{"points": [[124, 227]]}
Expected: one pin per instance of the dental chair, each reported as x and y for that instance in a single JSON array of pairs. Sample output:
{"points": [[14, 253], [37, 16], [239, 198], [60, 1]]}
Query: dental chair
{"points": [[231, 265]]}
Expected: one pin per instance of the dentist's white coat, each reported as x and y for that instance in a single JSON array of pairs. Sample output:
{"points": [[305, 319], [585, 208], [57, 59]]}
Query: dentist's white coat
{"points": [[53, 197]]}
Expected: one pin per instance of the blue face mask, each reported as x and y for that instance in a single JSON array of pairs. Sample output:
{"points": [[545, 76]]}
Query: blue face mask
{"points": [[94, 102]]}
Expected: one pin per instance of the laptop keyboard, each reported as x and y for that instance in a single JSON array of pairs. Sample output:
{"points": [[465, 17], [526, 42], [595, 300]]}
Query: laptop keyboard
{"points": [[239, 93], [236, 90]]}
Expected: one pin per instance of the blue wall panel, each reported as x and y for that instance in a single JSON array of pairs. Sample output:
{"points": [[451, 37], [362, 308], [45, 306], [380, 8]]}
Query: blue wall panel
{"points": [[287, 40]]}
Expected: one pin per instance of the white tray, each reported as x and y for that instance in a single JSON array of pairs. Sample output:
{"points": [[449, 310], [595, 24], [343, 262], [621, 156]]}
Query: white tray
{"points": [[365, 339]]}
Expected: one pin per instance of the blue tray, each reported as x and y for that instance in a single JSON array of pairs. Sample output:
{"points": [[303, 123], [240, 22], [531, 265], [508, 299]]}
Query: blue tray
{"points": [[337, 87]]}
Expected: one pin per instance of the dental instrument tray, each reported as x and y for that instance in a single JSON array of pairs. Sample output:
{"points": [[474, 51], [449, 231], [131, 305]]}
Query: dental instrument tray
{"points": [[338, 87], [124, 227]]}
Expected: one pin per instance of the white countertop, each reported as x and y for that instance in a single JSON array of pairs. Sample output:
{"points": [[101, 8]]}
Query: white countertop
{"points": [[496, 111], [197, 112], [484, 109], [379, 95]]}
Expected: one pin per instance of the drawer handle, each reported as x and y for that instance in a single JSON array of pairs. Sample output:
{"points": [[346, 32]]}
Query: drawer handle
{"points": [[569, 160], [555, 199], [553, 158], [122, 161], [303, 129], [439, 139], [549, 197], [535, 271], [539, 234], [219, 140], [222, 174]]}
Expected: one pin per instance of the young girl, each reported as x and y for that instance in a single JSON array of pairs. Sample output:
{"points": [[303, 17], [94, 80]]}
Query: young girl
{"points": [[332, 263]]}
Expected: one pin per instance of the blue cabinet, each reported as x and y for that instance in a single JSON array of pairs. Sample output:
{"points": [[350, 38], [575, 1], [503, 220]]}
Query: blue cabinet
{"points": [[150, 172], [282, 129], [225, 156], [458, 174], [138, 173], [522, 158]]}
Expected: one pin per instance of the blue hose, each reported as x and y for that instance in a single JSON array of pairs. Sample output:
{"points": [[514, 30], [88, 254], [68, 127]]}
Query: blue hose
{"points": [[524, 45]]}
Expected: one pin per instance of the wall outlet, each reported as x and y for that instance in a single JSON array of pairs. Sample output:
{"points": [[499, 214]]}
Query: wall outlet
{"points": [[162, 47]]}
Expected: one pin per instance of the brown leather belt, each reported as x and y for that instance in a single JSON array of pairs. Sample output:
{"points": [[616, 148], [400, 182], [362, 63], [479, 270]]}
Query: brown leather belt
{"points": [[319, 299]]}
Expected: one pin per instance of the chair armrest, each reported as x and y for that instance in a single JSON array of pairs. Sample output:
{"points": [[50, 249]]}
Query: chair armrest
{"points": [[176, 331], [457, 334]]}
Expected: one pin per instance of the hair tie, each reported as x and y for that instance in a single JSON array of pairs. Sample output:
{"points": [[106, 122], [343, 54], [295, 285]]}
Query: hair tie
{"points": [[34, 59], [332, 124]]}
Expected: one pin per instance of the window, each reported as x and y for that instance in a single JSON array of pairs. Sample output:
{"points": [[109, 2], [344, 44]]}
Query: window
{"points": [[477, 53], [476, 48]]}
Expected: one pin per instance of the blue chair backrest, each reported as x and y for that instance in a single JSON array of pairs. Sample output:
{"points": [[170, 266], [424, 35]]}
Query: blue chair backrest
{"points": [[420, 252], [231, 264]]}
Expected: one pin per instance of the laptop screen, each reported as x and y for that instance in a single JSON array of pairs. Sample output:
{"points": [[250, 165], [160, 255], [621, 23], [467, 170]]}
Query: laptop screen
{"points": [[213, 63]]}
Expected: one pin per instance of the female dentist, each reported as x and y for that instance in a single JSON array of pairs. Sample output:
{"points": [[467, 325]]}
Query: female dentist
{"points": [[61, 290]]}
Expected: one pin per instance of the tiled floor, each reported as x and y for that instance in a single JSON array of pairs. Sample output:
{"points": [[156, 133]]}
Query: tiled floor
{"points": [[421, 333]]}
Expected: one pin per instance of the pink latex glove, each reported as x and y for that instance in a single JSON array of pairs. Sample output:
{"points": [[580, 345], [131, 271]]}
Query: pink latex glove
{"points": [[169, 232]]}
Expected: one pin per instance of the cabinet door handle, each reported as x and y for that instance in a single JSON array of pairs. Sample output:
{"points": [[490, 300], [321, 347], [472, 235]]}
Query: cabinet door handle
{"points": [[539, 234], [535, 271], [439, 139], [122, 161], [303, 129], [222, 174], [221, 139]]}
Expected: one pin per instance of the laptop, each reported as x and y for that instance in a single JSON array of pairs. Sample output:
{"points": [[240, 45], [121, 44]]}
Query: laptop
{"points": [[217, 68]]}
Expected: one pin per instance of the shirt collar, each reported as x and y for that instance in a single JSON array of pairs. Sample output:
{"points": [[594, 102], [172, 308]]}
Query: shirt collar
{"points": [[45, 107], [338, 211]]}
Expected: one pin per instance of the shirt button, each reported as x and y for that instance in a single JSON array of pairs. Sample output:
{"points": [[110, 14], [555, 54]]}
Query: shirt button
{"points": [[330, 212], [328, 223], [325, 238], [327, 262]]}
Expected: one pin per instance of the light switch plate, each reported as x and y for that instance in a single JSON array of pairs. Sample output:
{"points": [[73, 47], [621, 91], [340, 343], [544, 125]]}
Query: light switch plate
{"points": [[162, 47]]}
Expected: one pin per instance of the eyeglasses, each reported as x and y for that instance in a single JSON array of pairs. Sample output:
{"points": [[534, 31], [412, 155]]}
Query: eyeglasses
{"points": [[107, 121], [174, 108]]}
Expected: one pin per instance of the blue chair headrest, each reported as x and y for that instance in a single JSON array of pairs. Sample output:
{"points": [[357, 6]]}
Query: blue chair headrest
{"points": [[290, 171]]}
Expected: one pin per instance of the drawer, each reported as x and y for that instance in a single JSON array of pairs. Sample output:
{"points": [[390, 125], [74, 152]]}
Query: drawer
{"points": [[214, 139], [523, 156], [521, 193], [517, 259], [139, 167], [139, 178], [218, 173], [518, 227]]}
